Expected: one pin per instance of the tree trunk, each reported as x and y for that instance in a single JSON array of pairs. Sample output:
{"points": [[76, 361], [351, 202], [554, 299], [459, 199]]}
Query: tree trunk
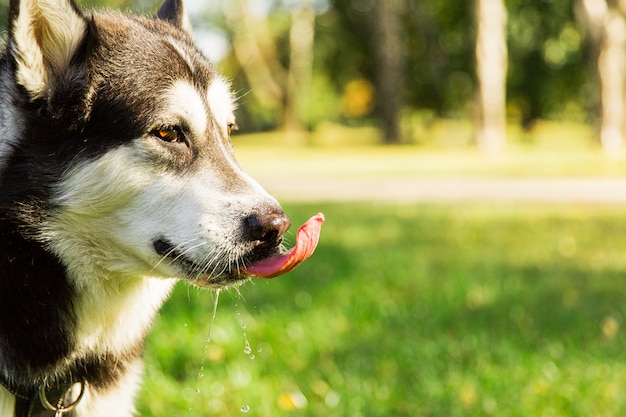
{"points": [[301, 38], [389, 66], [607, 29], [611, 65], [254, 48], [491, 67]]}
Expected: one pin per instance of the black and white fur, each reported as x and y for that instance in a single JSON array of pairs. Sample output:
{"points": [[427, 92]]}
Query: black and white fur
{"points": [[116, 175]]}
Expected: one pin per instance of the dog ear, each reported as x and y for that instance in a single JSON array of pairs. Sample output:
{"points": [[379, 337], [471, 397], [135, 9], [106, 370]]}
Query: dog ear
{"points": [[44, 35], [173, 11]]}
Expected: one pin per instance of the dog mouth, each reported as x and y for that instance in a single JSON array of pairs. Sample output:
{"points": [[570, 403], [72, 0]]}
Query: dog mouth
{"points": [[307, 238], [262, 261], [221, 271]]}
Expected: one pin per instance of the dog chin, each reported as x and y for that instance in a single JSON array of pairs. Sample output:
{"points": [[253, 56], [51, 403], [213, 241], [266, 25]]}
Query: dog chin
{"points": [[224, 280], [209, 275]]}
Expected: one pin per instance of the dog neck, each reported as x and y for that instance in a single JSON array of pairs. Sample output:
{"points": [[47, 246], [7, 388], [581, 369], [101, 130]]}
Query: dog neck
{"points": [[51, 329], [36, 307]]}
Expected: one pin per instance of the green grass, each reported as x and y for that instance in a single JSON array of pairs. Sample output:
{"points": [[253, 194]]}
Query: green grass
{"points": [[412, 310]]}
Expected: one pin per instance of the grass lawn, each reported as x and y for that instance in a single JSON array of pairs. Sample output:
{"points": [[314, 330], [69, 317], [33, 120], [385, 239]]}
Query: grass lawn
{"points": [[411, 310]]}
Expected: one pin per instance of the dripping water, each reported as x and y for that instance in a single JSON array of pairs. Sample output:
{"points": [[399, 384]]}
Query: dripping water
{"points": [[247, 347], [217, 298], [207, 341]]}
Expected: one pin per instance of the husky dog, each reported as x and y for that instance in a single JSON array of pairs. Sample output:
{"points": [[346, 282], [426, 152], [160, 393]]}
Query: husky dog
{"points": [[116, 173]]}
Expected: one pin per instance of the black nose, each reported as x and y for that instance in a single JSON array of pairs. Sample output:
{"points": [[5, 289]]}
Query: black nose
{"points": [[266, 227]]}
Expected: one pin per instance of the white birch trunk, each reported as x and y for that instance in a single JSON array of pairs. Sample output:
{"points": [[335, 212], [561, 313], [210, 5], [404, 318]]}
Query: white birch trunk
{"points": [[607, 27], [611, 65], [255, 51], [301, 38], [491, 68]]}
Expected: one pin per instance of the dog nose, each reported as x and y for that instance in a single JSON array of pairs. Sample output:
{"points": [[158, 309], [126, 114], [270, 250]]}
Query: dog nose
{"points": [[267, 227]]}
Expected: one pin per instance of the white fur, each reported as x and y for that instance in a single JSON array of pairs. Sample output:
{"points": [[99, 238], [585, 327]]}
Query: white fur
{"points": [[221, 103], [117, 401], [47, 33], [114, 317], [186, 103]]}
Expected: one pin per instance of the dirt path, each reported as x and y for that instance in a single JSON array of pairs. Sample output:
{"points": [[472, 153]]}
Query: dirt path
{"points": [[409, 175]]}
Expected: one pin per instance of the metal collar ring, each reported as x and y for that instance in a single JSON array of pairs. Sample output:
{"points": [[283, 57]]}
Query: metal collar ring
{"points": [[60, 407]]}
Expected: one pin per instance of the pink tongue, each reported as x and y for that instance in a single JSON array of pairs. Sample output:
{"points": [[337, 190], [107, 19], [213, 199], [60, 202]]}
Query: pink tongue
{"points": [[306, 241]]}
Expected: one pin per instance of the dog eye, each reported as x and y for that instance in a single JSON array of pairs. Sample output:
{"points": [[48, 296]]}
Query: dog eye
{"points": [[230, 127], [169, 134]]}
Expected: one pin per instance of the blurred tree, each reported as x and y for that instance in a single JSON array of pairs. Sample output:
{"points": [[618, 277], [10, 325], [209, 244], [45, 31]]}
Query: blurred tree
{"points": [[441, 56], [389, 67], [295, 63], [274, 50], [299, 77], [491, 64], [548, 74], [426, 51], [342, 43], [419, 56], [254, 46], [607, 30]]}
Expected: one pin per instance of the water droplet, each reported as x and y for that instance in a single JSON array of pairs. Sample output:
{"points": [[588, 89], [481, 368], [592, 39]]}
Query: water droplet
{"points": [[197, 390], [245, 408], [252, 357], [200, 375], [259, 350], [247, 349], [243, 326]]}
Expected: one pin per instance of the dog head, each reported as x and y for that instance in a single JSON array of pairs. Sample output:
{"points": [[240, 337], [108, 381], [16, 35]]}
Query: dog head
{"points": [[117, 154]]}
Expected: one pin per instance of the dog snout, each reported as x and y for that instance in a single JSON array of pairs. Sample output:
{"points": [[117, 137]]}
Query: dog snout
{"points": [[267, 227]]}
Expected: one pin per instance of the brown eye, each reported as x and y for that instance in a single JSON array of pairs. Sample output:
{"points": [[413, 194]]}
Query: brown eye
{"points": [[169, 134], [230, 127]]}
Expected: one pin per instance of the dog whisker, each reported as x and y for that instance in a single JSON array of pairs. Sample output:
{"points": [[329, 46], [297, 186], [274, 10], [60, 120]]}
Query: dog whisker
{"points": [[186, 251], [210, 264], [174, 250]]}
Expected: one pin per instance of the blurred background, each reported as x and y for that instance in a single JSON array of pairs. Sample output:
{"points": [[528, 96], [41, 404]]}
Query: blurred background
{"points": [[400, 66], [468, 156]]}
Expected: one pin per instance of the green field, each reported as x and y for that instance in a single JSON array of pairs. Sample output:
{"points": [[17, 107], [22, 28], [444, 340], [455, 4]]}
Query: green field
{"points": [[411, 310]]}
